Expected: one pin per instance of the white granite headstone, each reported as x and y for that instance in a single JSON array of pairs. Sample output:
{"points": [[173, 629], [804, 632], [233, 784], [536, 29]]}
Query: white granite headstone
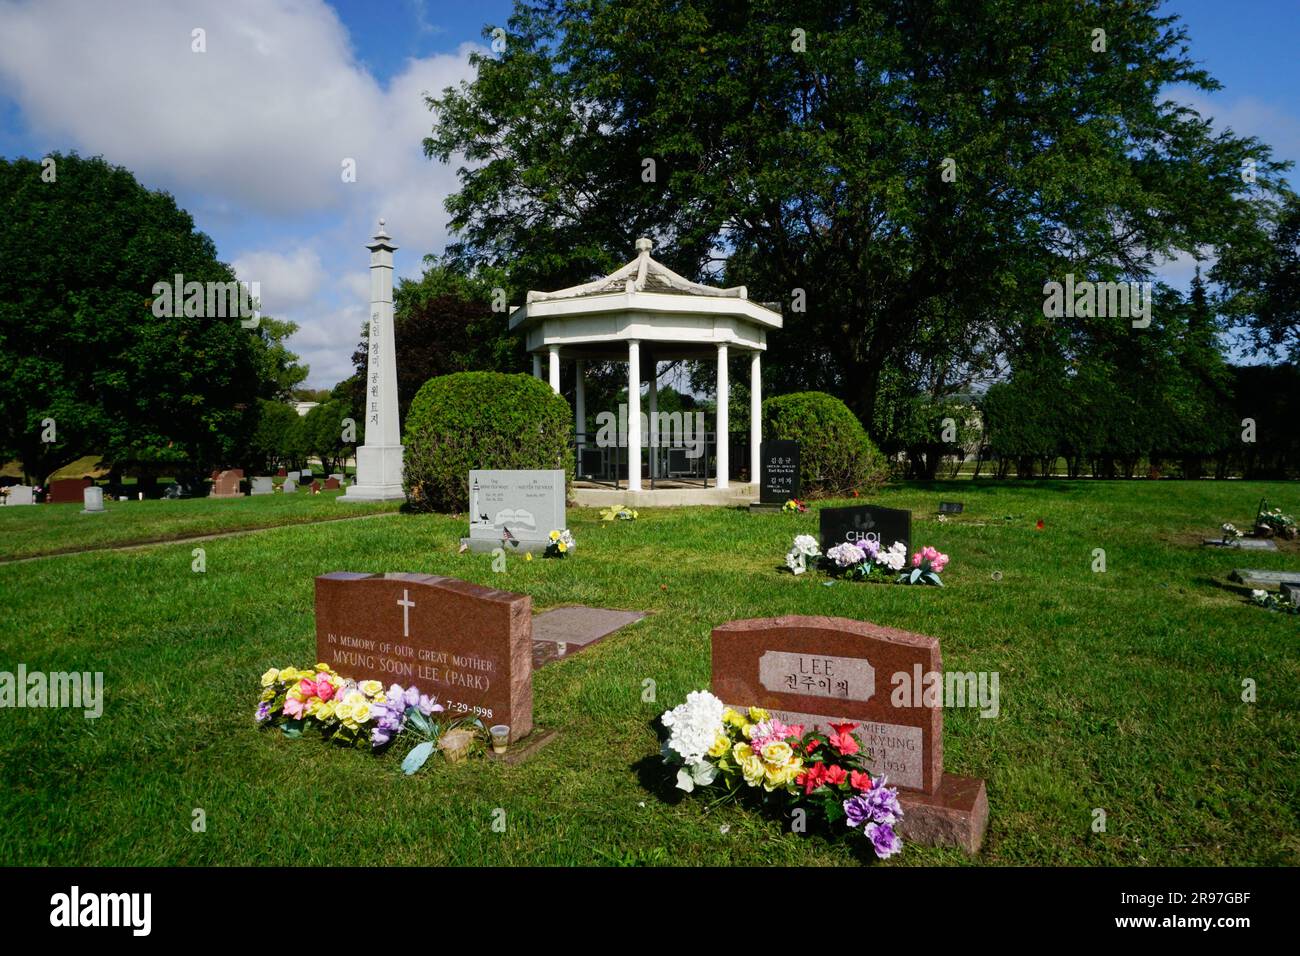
{"points": [[263, 486], [20, 495], [521, 508], [93, 499], [290, 486]]}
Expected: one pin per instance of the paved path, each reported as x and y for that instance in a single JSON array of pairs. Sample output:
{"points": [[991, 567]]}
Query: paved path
{"points": [[156, 542]]}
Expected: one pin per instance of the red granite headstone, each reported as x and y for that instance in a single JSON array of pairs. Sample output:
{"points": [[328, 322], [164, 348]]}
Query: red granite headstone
{"points": [[331, 484], [67, 491], [226, 483], [822, 670], [281, 473], [315, 487], [469, 647]]}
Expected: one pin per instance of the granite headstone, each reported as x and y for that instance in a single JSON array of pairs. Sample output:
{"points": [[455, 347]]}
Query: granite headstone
{"points": [[263, 486], [779, 470], [92, 501], [514, 509], [20, 495], [865, 522], [66, 491], [468, 646], [226, 484]]}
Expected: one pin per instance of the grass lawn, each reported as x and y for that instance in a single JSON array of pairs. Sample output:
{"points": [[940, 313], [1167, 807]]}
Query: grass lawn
{"points": [[26, 531], [1119, 690]]}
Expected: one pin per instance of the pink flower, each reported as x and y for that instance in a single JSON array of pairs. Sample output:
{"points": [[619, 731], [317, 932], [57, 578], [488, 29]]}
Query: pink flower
{"points": [[324, 689], [294, 708], [916, 560]]}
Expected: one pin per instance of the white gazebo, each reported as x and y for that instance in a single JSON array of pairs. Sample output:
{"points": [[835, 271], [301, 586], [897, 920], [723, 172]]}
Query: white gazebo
{"points": [[646, 311]]}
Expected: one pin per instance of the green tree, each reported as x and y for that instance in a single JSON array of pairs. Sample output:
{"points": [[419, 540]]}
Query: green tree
{"points": [[81, 344], [322, 431], [902, 182]]}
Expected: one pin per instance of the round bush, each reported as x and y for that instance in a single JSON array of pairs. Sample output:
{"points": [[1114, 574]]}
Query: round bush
{"points": [[480, 420], [835, 455]]}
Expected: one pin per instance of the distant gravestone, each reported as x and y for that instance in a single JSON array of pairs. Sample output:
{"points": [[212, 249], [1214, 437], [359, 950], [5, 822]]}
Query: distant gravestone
{"points": [[514, 509], [306, 475], [281, 473], [294, 475], [93, 501], [290, 486], [779, 470], [816, 671], [470, 647], [315, 487], [337, 476], [20, 495], [331, 483], [1291, 592], [226, 484], [1242, 544], [1261, 578], [263, 486], [865, 523], [950, 507], [66, 491]]}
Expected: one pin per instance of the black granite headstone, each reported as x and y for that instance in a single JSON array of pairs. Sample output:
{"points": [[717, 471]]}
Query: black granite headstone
{"points": [[779, 463], [950, 507], [866, 522]]}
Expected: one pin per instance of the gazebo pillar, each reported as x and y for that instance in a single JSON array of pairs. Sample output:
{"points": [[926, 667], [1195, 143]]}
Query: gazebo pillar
{"points": [[724, 397], [653, 443], [580, 403], [755, 414], [633, 415], [537, 365], [555, 369]]}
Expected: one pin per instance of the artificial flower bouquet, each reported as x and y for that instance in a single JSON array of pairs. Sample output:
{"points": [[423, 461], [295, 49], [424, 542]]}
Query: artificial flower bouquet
{"points": [[353, 713], [618, 513], [926, 565], [805, 546], [1273, 602], [755, 754], [794, 507], [560, 545], [1272, 521], [1230, 532], [858, 559]]}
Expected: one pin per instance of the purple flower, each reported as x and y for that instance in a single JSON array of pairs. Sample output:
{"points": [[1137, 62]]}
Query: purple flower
{"points": [[411, 696], [856, 810], [263, 712], [883, 839], [427, 706]]}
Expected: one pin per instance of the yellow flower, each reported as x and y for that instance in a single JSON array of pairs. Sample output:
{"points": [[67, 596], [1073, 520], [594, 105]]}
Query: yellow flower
{"points": [[742, 753], [361, 712], [758, 714], [371, 687], [729, 716], [528, 555], [326, 710], [562, 547], [342, 710], [721, 747], [270, 677], [555, 536], [777, 753], [324, 667], [747, 730], [753, 770]]}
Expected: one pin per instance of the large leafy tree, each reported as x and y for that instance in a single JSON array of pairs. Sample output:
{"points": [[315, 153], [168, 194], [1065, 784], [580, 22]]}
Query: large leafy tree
{"points": [[917, 168], [81, 344]]}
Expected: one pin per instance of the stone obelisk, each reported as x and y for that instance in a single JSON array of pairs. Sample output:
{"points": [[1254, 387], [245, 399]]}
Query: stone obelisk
{"points": [[379, 460]]}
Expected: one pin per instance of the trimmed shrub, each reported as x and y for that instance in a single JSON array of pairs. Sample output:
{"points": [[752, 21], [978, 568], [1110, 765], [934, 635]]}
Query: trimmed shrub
{"points": [[835, 455], [480, 420]]}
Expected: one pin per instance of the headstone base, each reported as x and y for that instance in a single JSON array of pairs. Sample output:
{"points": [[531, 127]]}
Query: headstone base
{"points": [[488, 545], [1243, 544], [95, 511], [957, 814], [763, 506]]}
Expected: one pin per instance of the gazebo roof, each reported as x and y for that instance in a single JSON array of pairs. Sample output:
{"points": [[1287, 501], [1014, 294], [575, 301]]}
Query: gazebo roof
{"points": [[644, 286]]}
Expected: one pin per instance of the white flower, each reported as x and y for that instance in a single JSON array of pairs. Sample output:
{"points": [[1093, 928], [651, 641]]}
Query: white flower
{"points": [[895, 558], [806, 544], [694, 727], [795, 562], [1258, 595], [846, 554]]}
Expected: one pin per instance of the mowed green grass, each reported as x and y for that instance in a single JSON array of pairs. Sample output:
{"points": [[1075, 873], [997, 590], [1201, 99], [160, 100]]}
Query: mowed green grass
{"points": [[1120, 691], [27, 531]]}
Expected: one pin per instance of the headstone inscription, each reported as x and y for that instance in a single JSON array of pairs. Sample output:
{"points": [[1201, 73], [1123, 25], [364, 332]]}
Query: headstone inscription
{"points": [[823, 670], [66, 491], [93, 501], [263, 486], [865, 523], [226, 484], [516, 510], [779, 470], [468, 646]]}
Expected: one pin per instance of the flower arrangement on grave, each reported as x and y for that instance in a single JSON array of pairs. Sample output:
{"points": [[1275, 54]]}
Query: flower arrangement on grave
{"points": [[355, 713], [618, 513], [926, 565], [1272, 521], [805, 546], [858, 560], [755, 755], [1230, 532], [1273, 602], [794, 507], [561, 543]]}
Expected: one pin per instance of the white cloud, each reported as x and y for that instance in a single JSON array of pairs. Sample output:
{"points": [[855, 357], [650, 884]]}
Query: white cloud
{"points": [[253, 131]]}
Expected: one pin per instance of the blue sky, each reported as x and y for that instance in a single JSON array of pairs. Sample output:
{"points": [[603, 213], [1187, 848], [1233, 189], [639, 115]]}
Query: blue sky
{"points": [[250, 135]]}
